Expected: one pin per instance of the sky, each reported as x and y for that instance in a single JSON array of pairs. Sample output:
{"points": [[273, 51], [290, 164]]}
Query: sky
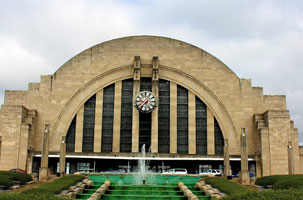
{"points": [[261, 40]]}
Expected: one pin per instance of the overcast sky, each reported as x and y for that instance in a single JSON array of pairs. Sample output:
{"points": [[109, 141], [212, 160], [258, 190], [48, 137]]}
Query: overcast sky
{"points": [[259, 40]]}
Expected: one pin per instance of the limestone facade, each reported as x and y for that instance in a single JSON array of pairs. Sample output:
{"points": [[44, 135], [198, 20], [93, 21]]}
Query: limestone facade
{"points": [[232, 101]]}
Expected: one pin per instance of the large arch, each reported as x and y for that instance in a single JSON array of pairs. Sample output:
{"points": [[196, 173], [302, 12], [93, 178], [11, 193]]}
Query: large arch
{"points": [[124, 72]]}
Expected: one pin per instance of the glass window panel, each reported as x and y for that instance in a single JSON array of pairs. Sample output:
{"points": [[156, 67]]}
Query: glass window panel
{"points": [[108, 118], [182, 120], [126, 116], [70, 136], [89, 125], [164, 116], [219, 141], [201, 127]]}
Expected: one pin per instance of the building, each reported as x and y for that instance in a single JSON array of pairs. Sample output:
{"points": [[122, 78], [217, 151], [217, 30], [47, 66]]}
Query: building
{"points": [[189, 106]]}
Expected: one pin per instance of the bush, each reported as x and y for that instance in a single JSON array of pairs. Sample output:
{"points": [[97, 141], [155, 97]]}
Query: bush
{"points": [[296, 183], [20, 196], [269, 195], [7, 178], [6, 182], [271, 180], [57, 185], [226, 186]]}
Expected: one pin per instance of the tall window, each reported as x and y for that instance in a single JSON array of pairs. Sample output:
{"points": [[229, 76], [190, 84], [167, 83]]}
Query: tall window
{"points": [[164, 116], [126, 116], [89, 125], [145, 118], [201, 127], [219, 141], [70, 136], [108, 118], [182, 120]]}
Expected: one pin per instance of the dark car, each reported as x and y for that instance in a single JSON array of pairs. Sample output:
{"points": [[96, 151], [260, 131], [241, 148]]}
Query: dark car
{"points": [[237, 175], [18, 170]]}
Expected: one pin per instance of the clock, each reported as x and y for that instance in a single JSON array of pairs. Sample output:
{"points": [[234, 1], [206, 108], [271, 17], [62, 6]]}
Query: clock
{"points": [[145, 101]]}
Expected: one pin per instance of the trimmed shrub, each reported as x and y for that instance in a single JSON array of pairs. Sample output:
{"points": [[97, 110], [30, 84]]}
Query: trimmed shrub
{"points": [[269, 195], [57, 185], [296, 183], [271, 180], [7, 178], [6, 182], [226, 186]]}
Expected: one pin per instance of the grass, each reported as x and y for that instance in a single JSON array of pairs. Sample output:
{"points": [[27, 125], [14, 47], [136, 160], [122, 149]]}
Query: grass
{"points": [[226, 186], [46, 191], [56, 186], [271, 180]]}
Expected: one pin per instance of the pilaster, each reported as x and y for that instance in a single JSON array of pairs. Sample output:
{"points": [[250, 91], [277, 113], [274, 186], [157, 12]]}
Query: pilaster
{"points": [[191, 123], [136, 90], [62, 155], [98, 121], [117, 116], [210, 133], [79, 130], [173, 118], [244, 158], [155, 91]]}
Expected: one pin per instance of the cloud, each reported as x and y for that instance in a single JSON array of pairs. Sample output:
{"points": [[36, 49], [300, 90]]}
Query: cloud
{"points": [[258, 40]]}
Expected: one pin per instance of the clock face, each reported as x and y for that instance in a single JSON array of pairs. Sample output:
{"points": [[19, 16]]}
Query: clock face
{"points": [[145, 101]]}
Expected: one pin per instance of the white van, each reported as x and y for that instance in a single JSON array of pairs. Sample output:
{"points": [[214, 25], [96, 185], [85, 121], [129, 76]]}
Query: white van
{"points": [[215, 172], [176, 171]]}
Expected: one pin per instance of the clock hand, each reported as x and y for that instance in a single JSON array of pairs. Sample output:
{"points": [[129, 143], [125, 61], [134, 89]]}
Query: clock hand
{"points": [[144, 102]]}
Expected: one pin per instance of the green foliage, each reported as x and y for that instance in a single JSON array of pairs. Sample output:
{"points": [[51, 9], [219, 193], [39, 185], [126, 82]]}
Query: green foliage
{"points": [[21, 196], [269, 195], [7, 178], [226, 186], [296, 183], [271, 180], [6, 182], [57, 185]]}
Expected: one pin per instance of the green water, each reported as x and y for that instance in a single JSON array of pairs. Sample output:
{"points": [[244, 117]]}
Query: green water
{"points": [[157, 187]]}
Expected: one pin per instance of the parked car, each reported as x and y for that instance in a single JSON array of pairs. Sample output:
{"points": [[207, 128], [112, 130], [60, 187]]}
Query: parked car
{"points": [[18, 170], [237, 175], [176, 171], [215, 172]]}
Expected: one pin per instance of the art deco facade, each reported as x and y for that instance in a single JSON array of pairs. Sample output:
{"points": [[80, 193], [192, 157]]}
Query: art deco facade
{"points": [[92, 106]]}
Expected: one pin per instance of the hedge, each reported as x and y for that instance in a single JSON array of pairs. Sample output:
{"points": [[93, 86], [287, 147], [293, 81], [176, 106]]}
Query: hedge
{"points": [[56, 186], [7, 178], [271, 180], [21, 196], [296, 183], [226, 186], [293, 194]]}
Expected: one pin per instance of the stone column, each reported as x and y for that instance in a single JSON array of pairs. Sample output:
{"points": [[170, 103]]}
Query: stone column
{"points": [[29, 166], [210, 133], [191, 123], [79, 130], [44, 171], [244, 159], [136, 90], [62, 156], [173, 118], [117, 117], [98, 122], [290, 158], [155, 91], [226, 159]]}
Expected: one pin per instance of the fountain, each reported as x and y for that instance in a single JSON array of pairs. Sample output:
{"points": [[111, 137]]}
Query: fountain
{"points": [[143, 163]]}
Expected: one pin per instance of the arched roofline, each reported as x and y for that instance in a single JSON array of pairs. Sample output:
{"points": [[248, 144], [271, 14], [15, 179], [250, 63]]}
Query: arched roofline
{"points": [[102, 80], [142, 36]]}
